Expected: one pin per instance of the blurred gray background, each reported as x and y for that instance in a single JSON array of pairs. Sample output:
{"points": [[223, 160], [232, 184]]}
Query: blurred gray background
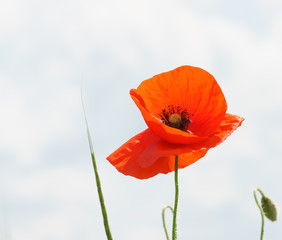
{"points": [[47, 187]]}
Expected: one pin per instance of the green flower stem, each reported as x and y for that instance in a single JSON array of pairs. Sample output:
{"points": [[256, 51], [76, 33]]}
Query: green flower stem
{"points": [[174, 227], [163, 217], [98, 183], [261, 211]]}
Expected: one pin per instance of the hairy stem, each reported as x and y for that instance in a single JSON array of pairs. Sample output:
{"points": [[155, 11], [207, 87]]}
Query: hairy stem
{"points": [[261, 211], [174, 225], [163, 217]]}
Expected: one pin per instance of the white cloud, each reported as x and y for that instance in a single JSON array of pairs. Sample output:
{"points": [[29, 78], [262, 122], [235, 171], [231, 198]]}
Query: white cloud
{"points": [[10, 16], [213, 190], [34, 118]]}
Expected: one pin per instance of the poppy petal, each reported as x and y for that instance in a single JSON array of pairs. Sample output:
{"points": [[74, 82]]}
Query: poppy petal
{"points": [[229, 124], [146, 155], [165, 132], [190, 88]]}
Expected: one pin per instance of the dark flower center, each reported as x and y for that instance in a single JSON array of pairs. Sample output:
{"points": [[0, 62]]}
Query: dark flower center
{"points": [[176, 117]]}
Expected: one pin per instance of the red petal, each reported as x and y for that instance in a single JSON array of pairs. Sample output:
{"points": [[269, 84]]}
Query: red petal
{"points": [[165, 132], [229, 124], [188, 87], [146, 155]]}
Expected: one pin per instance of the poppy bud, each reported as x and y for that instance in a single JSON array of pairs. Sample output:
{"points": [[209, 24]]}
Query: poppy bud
{"points": [[175, 120], [269, 208]]}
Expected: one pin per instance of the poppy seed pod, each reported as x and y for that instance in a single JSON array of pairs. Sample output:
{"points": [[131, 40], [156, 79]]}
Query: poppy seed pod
{"points": [[175, 120], [269, 208]]}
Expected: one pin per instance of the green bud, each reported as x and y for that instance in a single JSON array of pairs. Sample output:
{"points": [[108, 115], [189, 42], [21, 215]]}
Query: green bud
{"points": [[269, 208]]}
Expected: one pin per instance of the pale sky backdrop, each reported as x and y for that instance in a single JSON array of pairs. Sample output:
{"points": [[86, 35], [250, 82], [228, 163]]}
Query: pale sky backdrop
{"points": [[47, 187]]}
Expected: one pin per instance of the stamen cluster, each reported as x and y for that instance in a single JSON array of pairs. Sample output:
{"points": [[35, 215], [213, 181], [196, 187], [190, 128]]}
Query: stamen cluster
{"points": [[184, 120]]}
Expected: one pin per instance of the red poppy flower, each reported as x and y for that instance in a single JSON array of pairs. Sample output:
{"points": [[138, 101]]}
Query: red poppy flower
{"points": [[185, 111]]}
